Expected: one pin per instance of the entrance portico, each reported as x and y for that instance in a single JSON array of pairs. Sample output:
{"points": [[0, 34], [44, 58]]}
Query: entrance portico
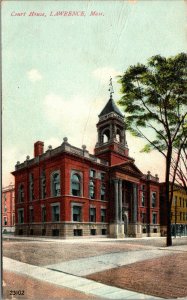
{"points": [[126, 206]]}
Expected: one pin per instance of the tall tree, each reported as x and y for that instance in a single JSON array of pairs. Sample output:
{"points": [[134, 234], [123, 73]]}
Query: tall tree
{"points": [[154, 100], [179, 165]]}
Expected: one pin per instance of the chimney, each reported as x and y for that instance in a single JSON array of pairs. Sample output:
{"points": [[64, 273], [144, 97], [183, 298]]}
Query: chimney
{"points": [[38, 148]]}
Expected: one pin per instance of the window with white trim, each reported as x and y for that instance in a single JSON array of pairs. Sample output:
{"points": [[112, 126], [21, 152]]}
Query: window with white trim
{"points": [[55, 184], [75, 184], [92, 189], [102, 191], [77, 213], [43, 214], [103, 215], [92, 173], [55, 213], [21, 216], [143, 198], [92, 214], [143, 215], [43, 185], [154, 218], [153, 199], [21, 193], [31, 215], [31, 187]]}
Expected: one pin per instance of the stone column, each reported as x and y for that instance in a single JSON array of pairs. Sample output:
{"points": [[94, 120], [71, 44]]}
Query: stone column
{"points": [[134, 203], [124, 194], [120, 201], [116, 201]]}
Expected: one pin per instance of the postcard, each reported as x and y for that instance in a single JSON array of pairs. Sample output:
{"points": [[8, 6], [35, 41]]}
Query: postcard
{"points": [[84, 209]]}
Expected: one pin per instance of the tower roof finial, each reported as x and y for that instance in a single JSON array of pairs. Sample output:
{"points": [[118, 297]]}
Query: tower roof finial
{"points": [[111, 90]]}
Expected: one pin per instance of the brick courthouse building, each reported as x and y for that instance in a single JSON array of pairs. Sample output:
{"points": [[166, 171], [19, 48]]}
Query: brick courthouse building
{"points": [[69, 192]]}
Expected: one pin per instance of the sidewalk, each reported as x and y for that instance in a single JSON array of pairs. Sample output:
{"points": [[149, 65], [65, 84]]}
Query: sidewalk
{"points": [[76, 283], [90, 265]]}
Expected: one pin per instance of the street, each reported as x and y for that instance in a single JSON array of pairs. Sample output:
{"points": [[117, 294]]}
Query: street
{"points": [[142, 268]]}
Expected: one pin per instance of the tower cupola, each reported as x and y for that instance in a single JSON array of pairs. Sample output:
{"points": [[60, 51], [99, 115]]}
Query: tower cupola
{"points": [[111, 129]]}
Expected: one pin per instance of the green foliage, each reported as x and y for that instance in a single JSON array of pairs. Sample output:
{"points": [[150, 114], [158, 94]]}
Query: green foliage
{"points": [[154, 96], [146, 148]]}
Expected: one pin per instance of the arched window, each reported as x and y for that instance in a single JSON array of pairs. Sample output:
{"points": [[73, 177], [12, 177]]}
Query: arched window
{"points": [[21, 193], [102, 192], [55, 184], [105, 136], [118, 135], [92, 189], [75, 185]]}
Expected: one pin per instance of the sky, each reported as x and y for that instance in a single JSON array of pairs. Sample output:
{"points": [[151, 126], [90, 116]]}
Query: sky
{"points": [[56, 69]]}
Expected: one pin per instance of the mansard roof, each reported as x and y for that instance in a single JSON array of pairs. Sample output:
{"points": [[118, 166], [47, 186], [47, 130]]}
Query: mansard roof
{"points": [[110, 107]]}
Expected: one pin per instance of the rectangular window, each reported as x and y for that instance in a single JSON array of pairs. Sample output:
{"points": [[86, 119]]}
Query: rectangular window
{"points": [[143, 217], [183, 216], [77, 232], [103, 231], [180, 216], [92, 189], [102, 176], [55, 213], [43, 188], [31, 187], [154, 218], [143, 198], [92, 173], [21, 193], [103, 192], [55, 232], [153, 199], [43, 214], [77, 213], [92, 215], [31, 215], [103, 215], [180, 201], [55, 184], [20, 216], [93, 231]]}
